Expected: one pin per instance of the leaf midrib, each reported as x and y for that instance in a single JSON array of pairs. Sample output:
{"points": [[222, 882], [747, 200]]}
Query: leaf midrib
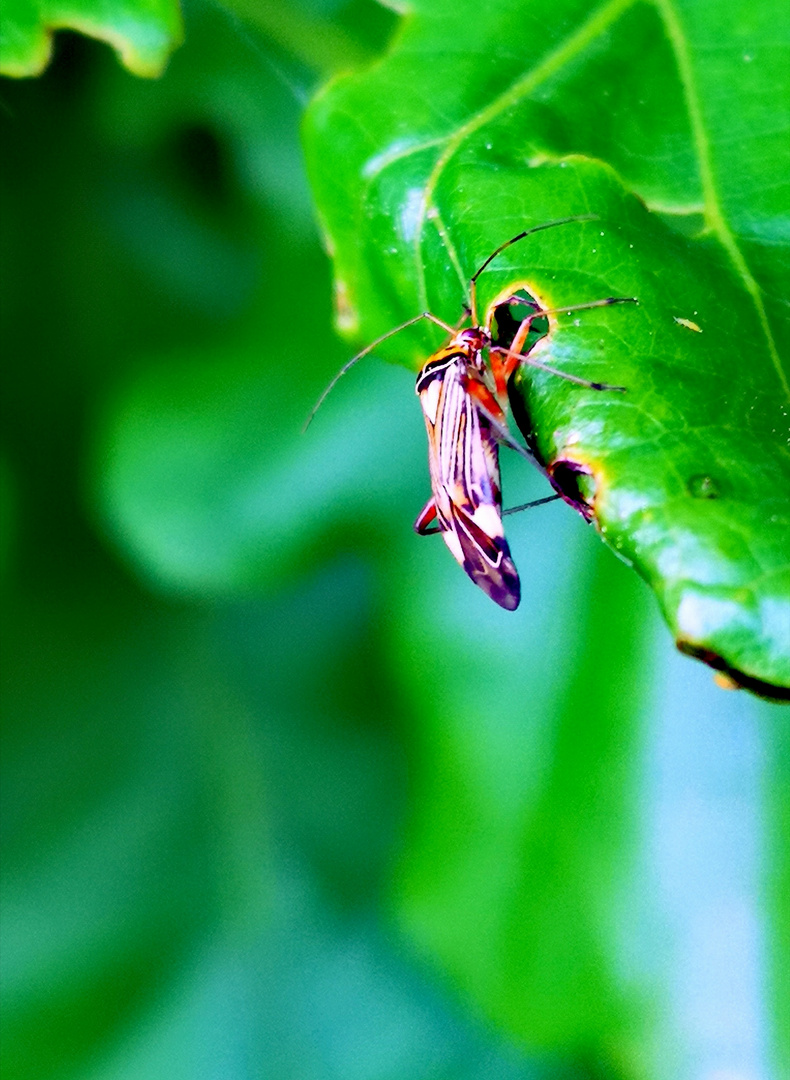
{"points": [[599, 21], [713, 212], [596, 24]]}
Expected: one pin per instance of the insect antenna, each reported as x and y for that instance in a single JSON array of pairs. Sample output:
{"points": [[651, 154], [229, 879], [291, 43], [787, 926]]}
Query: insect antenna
{"points": [[507, 244], [369, 348], [529, 505]]}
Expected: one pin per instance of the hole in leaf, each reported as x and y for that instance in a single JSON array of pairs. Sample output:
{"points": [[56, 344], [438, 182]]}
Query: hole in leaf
{"points": [[576, 484], [509, 316]]}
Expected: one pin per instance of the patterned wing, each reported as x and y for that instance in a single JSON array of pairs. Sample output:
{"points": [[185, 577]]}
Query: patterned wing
{"points": [[463, 458]]}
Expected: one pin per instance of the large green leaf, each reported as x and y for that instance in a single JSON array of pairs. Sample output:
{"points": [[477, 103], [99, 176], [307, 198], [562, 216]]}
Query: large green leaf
{"points": [[142, 32], [670, 124]]}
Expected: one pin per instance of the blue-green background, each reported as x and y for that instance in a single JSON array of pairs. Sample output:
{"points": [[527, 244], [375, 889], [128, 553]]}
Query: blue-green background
{"points": [[284, 795]]}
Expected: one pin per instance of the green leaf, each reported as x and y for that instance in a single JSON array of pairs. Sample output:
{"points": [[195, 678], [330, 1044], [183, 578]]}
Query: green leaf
{"points": [[670, 125], [142, 32]]}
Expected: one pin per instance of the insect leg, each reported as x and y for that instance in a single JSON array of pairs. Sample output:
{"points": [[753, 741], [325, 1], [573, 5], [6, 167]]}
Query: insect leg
{"points": [[503, 436], [521, 334], [507, 244], [487, 404], [484, 399], [513, 356], [529, 505], [527, 359], [428, 514], [369, 348]]}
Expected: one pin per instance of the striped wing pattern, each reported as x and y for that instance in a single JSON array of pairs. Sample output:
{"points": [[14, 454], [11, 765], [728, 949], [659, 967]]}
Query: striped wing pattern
{"points": [[463, 457]]}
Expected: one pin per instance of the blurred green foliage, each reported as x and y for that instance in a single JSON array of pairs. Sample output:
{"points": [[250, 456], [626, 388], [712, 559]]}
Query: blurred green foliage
{"points": [[283, 794]]}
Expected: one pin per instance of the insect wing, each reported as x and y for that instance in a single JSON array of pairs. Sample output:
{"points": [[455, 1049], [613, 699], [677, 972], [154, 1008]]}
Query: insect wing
{"points": [[463, 458]]}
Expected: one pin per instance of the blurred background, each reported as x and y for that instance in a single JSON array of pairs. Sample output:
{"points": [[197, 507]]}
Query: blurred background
{"points": [[283, 794]]}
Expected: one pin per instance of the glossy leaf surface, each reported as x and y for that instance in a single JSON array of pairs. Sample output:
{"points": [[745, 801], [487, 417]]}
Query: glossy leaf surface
{"points": [[669, 123]]}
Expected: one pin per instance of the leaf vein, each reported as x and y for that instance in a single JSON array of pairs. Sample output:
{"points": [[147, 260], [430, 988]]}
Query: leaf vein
{"points": [[713, 210], [595, 25]]}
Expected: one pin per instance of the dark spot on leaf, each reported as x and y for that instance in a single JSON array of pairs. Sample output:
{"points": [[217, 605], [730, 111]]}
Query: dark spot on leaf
{"points": [[766, 690], [703, 487], [576, 484]]}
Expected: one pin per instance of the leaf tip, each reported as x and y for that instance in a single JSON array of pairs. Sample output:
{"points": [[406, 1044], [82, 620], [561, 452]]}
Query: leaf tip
{"points": [[730, 678]]}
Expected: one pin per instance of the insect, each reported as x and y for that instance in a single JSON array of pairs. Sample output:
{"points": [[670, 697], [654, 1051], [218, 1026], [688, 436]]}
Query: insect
{"points": [[462, 388]]}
